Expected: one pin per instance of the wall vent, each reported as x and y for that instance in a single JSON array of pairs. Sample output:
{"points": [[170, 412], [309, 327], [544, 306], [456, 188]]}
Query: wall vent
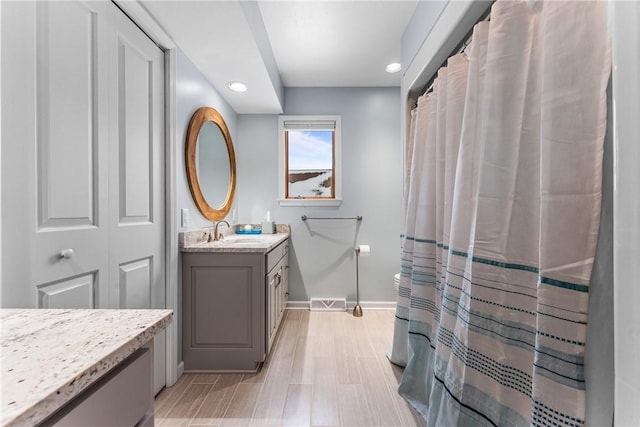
{"points": [[328, 304]]}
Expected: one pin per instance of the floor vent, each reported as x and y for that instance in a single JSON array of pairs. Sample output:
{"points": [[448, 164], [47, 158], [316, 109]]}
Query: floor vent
{"points": [[328, 304]]}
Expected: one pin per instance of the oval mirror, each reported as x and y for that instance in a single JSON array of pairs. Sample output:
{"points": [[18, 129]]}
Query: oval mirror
{"points": [[211, 163]]}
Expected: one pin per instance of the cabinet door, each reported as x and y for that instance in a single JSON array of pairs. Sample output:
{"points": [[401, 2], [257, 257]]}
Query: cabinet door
{"points": [[284, 287], [280, 294], [276, 290], [272, 280], [285, 278], [223, 311]]}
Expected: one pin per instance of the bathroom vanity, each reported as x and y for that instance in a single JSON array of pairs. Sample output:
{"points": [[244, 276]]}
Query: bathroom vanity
{"points": [[234, 293], [78, 367]]}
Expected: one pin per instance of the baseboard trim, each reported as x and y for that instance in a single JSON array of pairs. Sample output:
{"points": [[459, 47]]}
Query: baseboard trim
{"points": [[366, 305], [373, 305], [298, 305], [180, 369]]}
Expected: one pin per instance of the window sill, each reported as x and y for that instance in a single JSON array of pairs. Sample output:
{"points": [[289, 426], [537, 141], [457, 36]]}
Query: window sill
{"points": [[310, 202]]}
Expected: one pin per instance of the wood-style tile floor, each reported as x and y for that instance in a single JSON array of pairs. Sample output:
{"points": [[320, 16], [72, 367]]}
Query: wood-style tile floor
{"points": [[326, 369]]}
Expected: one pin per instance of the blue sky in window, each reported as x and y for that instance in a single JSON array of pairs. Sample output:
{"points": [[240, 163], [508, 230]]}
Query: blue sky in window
{"points": [[310, 149]]}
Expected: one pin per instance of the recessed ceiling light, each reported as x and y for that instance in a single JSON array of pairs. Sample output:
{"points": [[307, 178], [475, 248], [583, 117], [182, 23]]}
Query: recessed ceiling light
{"points": [[394, 67], [237, 86]]}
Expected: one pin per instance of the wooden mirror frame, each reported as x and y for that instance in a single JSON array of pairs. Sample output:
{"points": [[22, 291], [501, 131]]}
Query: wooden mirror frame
{"points": [[199, 118]]}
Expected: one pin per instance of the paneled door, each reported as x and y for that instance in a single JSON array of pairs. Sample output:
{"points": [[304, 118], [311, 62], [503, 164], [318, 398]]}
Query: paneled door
{"points": [[69, 246], [136, 174], [82, 160]]}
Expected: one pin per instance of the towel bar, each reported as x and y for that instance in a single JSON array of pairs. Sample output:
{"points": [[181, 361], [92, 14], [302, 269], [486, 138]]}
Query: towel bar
{"points": [[358, 218]]}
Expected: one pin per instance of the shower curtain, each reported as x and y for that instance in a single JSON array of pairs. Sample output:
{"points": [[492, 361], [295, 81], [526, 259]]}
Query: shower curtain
{"points": [[502, 210]]}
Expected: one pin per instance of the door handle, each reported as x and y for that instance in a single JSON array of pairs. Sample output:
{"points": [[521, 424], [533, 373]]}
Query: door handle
{"points": [[67, 254]]}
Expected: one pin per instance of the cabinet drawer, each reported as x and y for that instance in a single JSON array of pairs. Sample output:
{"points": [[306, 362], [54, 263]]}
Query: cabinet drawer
{"points": [[276, 254], [123, 397]]}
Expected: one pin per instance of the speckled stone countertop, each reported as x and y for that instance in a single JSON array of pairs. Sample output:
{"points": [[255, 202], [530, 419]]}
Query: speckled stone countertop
{"points": [[48, 357], [196, 241]]}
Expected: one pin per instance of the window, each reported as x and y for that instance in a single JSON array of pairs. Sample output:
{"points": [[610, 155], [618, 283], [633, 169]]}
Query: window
{"points": [[310, 172]]}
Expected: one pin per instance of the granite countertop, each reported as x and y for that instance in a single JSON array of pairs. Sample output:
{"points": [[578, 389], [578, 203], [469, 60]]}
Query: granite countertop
{"points": [[48, 357], [196, 241], [261, 243]]}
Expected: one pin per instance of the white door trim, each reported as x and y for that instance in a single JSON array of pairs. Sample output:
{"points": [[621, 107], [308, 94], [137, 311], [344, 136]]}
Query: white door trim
{"points": [[1, 161], [1, 305], [139, 14], [171, 225], [148, 24]]}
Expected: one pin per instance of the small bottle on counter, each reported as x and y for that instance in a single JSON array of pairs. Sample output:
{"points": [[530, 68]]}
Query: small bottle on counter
{"points": [[268, 226]]}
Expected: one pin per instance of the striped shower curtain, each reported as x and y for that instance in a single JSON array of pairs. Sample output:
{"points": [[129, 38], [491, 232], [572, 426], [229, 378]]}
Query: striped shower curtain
{"points": [[501, 221]]}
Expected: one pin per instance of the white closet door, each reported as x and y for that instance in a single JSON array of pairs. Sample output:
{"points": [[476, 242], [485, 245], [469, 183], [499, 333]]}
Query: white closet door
{"points": [[83, 145], [68, 253], [136, 174]]}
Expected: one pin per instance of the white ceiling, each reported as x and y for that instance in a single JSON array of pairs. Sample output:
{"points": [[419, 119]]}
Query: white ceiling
{"points": [[269, 44]]}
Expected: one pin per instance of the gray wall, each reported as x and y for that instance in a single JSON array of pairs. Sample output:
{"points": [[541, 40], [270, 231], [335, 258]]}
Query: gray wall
{"points": [[599, 370], [193, 91], [419, 27], [427, 42], [322, 258]]}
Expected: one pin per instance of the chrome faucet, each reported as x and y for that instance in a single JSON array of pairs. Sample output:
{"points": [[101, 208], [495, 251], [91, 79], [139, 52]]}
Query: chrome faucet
{"points": [[218, 235]]}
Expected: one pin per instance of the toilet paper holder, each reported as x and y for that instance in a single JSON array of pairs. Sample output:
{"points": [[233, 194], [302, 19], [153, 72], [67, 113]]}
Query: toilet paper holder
{"points": [[363, 250]]}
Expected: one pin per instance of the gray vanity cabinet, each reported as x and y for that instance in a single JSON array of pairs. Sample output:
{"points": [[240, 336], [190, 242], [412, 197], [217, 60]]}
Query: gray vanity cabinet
{"points": [[232, 303]]}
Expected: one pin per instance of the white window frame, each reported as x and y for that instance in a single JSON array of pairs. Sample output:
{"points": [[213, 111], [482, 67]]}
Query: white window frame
{"points": [[282, 181]]}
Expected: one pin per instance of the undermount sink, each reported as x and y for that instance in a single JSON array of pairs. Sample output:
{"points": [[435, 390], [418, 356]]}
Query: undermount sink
{"points": [[241, 241], [235, 240]]}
